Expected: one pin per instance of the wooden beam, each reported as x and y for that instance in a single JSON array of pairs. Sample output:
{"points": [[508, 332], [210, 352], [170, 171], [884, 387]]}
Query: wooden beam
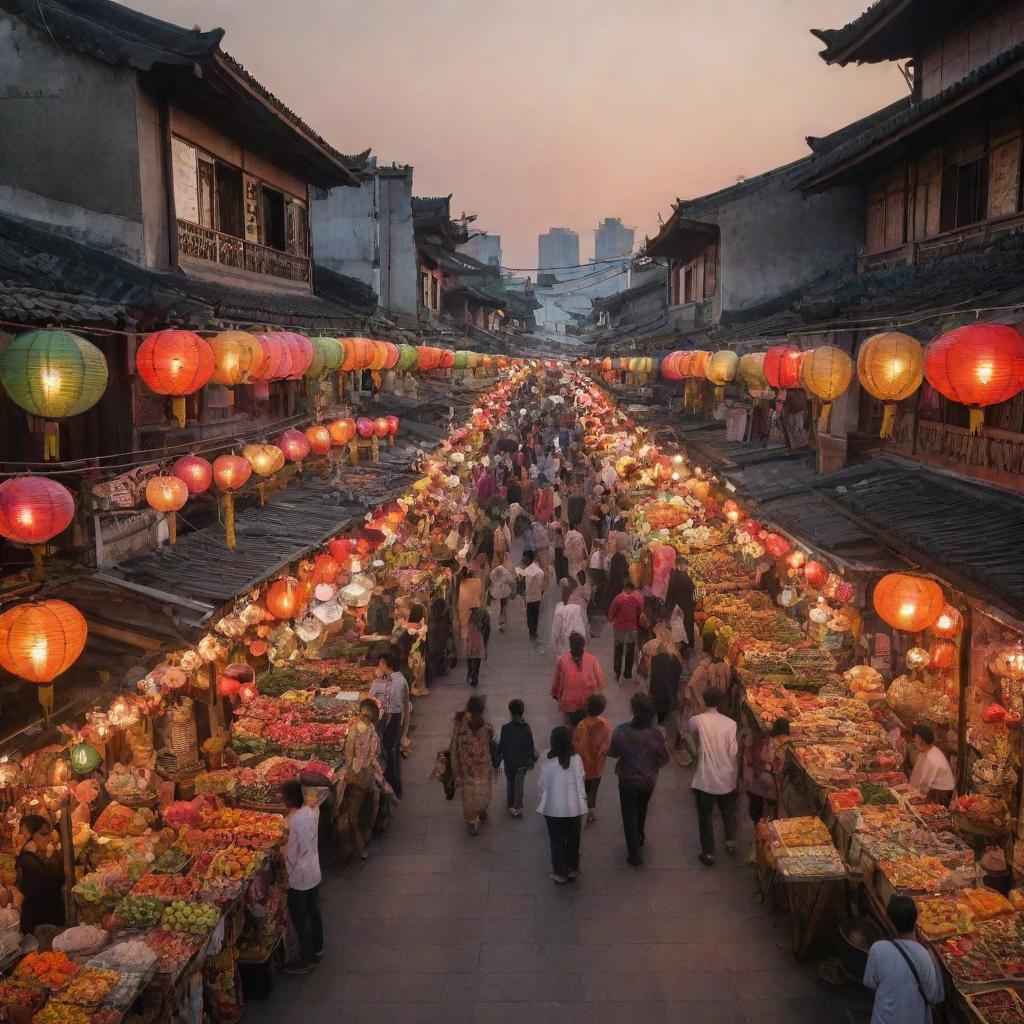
{"points": [[125, 636]]}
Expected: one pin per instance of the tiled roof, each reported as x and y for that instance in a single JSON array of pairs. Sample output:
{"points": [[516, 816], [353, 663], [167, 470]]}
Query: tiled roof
{"points": [[455, 262]]}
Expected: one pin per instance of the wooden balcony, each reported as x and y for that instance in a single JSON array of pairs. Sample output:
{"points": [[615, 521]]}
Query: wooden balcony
{"points": [[951, 243], [199, 243]]}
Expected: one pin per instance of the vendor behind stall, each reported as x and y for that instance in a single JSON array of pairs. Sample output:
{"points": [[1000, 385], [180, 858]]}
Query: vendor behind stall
{"points": [[40, 876], [932, 774]]}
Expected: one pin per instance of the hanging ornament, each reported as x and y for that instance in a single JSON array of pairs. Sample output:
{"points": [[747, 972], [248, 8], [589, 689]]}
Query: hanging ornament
{"points": [[34, 510], [889, 368], [230, 472], [826, 373], [175, 363], [167, 494], [295, 446], [237, 358], [319, 438], [721, 370], [782, 364], [195, 472], [908, 603], [948, 625]]}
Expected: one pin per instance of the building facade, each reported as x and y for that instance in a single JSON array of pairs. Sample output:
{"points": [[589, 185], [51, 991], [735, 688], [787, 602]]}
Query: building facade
{"points": [[557, 249], [484, 247], [612, 239]]}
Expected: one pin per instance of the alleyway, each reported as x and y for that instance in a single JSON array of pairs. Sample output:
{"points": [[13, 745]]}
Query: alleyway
{"points": [[439, 926]]}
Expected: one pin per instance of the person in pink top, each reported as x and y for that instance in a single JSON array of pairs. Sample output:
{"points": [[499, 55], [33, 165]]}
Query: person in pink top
{"points": [[624, 616], [577, 675]]}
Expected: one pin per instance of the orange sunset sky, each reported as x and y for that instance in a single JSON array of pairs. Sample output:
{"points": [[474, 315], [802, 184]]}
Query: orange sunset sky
{"points": [[537, 113]]}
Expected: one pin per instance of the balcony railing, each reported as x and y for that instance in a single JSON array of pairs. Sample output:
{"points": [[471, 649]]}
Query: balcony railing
{"points": [[951, 243], [199, 243]]}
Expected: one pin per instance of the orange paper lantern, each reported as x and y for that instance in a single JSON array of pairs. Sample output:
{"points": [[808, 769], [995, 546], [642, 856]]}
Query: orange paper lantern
{"points": [[285, 598], [230, 472], [816, 574], [167, 494], [264, 459], [342, 431], [325, 569], [942, 655], [237, 355], [42, 640], [948, 625], [319, 438], [195, 472], [175, 363], [393, 424], [276, 359], [908, 603], [380, 427]]}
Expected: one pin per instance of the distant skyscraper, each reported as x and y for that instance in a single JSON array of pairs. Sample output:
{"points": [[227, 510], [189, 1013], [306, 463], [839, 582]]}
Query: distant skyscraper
{"points": [[484, 247], [612, 238], [560, 247]]}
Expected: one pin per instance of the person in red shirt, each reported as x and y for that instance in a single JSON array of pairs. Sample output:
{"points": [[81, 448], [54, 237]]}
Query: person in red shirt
{"points": [[624, 616], [578, 674]]}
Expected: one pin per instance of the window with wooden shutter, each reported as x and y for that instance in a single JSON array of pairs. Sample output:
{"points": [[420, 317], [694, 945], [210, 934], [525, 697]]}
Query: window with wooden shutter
{"points": [[927, 193], [875, 234], [710, 270], [296, 226]]}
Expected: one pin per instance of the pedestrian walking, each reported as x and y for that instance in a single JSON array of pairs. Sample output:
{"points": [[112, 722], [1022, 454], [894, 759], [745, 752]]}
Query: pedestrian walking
{"points": [[591, 739], [563, 802], [534, 581], [472, 750], [359, 777], [476, 643], [517, 752], [714, 781], [624, 614], [503, 588], [568, 619], [302, 859], [640, 748], [578, 674], [471, 595], [763, 762], [391, 691]]}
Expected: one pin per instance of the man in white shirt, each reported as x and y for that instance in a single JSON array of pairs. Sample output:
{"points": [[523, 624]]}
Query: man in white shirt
{"points": [[717, 773], [302, 858], [932, 774], [391, 690], [535, 578], [903, 974]]}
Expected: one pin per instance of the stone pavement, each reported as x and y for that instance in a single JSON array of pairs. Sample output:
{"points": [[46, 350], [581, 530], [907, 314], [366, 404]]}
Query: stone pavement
{"points": [[440, 926]]}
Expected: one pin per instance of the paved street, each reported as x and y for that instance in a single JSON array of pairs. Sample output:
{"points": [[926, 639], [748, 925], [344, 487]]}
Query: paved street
{"points": [[440, 926]]}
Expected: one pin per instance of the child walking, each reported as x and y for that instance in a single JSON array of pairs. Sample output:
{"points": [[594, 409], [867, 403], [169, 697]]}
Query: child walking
{"points": [[478, 634], [591, 739], [515, 748]]}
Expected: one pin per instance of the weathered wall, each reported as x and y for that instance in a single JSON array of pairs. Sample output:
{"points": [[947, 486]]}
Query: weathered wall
{"points": [[397, 246], [70, 144], [153, 182], [775, 240]]}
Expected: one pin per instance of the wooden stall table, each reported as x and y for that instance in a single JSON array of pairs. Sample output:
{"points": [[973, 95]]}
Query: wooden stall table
{"points": [[809, 895]]}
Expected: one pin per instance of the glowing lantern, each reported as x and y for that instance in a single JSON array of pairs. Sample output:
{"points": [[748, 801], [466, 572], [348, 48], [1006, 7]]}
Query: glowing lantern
{"points": [[195, 472], [295, 445], [941, 655], [342, 431], [751, 372], [300, 353], [698, 365], [796, 559], [247, 692], [84, 758], [776, 545], [977, 365], [319, 438], [378, 357], [826, 373], [889, 367], [393, 355], [816, 574], [236, 355], [782, 365], [285, 598], [230, 472], [722, 367], [327, 355], [393, 424], [908, 603], [276, 362], [175, 363], [33, 510], [53, 375], [348, 355], [167, 494], [948, 625], [325, 569], [364, 427], [380, 427], [264, 459]]}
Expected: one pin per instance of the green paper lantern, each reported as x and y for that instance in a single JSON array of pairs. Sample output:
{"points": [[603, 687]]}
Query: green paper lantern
{"points": [[85, 758], [461, 361], [326, 358], [53, 374], [407, 358]]}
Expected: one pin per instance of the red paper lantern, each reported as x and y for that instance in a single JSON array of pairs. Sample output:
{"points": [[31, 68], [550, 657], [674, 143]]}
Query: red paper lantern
{"points": [[908, 603], [942, 654], [393, 355], [393, 423], [816, 574], [380, 427], [782, 365], [285, 598], [977, 365], [294, 444], [276, 358], [948, 625], [195, 472], [34, 509], [231, 472], [175, 363], [364, 427], [448, 359], [325, 569], [166, 493], [300, 353], [319, 438], [342, 431], [776, 545], [341, 550], [424, 358]]}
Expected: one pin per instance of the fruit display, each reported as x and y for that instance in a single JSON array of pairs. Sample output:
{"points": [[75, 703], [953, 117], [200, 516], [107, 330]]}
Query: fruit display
{"points": [[794, 832], [20, 994], [985, 904], [828, 766], [998, 1006], [165, 887], [173, 949], [844, 800], [47, 970], [919, 874], [968, 961], [62, 1013], [194, 918], [173, 861], [234, 862], [943, 915], [89, 987], [987, 813], [140, 911], [1005, 943], [713, 568]]}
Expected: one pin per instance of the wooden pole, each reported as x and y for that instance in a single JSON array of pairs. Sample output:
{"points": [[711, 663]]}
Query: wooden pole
{"points": [[67, 848]]}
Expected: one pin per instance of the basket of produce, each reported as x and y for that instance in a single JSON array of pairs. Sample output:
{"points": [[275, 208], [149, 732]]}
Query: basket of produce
{"points": [[173, 861], [89, 987], [50, 971], [194, 918], [166, 888], [140, 911], [997, 1006]]}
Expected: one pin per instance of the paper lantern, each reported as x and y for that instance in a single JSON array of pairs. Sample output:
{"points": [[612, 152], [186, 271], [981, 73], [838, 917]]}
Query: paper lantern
{"points": [[948, 625], [380, 427], [816, 574], [276, 359], [889, 368], [326, 357], [407, 358], [364, 427], [325, 569], [448, 359], [751, 372], [319, 438], [917, 657], [826, 373], [195, 472], [264, 459], [424, 358], [698, 365], [236, 355], [294, 444], [175, 363], [782, 365], [34, 509], [379, 356], [393, 424], [461, 361], [721, 367], [84, 758], [167, 494], [908, 603], [342, 431], [776, 545], [977, 365], [285, 598], [53, 375], [230, 472], [42, 640], [393, 355], [942, 655], [300, 354]]}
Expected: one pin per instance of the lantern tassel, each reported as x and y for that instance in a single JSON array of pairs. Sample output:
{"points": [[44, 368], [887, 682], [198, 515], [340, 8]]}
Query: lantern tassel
{"points": [[888, 420], [719, 394], [172, 528], [977, 421], [38, 569], [51, 441], [45, 694], [178, 409], [824, 418], [229, 519], [262, 490]]}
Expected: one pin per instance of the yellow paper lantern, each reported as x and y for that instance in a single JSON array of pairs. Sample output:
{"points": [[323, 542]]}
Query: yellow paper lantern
{"points": [[751, 372], [826, 373], [721, 369], [236, 356], [890, 367]]}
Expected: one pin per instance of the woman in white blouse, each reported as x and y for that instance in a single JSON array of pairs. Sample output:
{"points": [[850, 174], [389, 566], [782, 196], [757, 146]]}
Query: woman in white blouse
{"points": [[569, 618], [563, 802]]}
